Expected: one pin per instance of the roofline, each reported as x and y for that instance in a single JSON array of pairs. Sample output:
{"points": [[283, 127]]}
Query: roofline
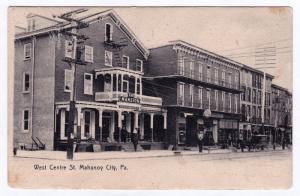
{"points": [[279, 87], [53, 20], [258, 71], [65, 25]]}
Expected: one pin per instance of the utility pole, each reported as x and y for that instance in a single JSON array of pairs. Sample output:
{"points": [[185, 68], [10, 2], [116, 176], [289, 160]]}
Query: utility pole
{"points": [[264, 58], [75, 24]]}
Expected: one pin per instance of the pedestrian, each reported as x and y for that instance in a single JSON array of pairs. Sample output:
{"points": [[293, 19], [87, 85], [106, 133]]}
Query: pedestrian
{"points": [[134, 138], [283, 143], [123, 134], [200, 140], [241, 142]]}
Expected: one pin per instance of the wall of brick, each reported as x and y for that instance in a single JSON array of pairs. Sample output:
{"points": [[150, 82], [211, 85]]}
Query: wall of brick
{"points": [[96, 34], [162, 61]]}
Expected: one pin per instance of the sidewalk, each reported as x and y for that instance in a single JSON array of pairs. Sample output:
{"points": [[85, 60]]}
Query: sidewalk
{"points": [[106, 155], [61, 155]]}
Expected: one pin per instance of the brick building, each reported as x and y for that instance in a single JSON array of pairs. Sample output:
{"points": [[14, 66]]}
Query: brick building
{"points": [[251, 102], [199, 89], [108, 83]]}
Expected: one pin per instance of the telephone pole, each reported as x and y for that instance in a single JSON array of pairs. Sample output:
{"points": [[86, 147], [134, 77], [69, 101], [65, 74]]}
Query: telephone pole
{"points": [[72, 61], [265, 57]]}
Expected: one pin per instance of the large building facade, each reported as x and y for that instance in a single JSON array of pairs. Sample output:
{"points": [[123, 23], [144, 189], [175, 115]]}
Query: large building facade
{"points": [[109, 94], [200, 90]]}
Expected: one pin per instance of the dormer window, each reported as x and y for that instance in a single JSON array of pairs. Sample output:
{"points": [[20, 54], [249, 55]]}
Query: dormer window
{"points": [[108, 32]]}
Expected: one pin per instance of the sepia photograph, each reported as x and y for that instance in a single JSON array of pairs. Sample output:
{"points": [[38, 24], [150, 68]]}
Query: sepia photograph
{"points": [[150, 98]]}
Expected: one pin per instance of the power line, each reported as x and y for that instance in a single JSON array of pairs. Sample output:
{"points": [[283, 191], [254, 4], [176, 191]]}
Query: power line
{"points": [[251, 46]]}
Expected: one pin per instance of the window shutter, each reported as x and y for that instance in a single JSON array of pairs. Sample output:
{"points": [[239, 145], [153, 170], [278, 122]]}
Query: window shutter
{"points": [[88, 84], [68, 80]]}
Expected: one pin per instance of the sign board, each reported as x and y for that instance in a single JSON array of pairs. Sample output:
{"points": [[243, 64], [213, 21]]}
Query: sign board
{"points": [[129, 99]]}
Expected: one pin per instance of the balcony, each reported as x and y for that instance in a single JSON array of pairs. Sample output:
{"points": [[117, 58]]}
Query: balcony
{"points": [[202, 78], [127, 97]]}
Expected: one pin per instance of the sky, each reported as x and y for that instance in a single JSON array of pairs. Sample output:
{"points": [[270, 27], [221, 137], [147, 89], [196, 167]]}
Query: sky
{"points": [[234, 32]]}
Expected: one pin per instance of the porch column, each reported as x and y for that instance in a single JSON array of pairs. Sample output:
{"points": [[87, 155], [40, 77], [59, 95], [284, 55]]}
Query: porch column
{"points": [[165, 120], [79, 118], [117, 82], [136, 120], [141, 86], [111, 82], [112, 126], [135, 85], [122, 82], [119, 124], [142, 126], [151, 125], [100, 123]]}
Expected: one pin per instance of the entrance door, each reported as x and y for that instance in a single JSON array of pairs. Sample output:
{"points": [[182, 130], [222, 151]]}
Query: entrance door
{"points": [[191, 129], [105, 128]]}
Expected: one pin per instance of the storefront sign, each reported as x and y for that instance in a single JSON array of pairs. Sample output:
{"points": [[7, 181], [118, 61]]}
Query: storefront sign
{"points": [[129, 99]]}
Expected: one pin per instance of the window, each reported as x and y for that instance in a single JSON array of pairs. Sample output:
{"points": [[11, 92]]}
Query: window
{"points": [[254, 96], [192, 94], [68, 80], [229, 95], [88, 84], [208, 98], [236, 81], [200, 71], [66, 123], [192, 67], [236, 103], [208, 74], [216, 76], [125, 85], [181, 93], [89, 54], [216, 99], [69, 49], [27, 51], [125, 61], [108, 32], [26, 83], [200, 96], [139, 65], [229, 80], [138, 86], [26, 120], [181, 66], [223, 100], [223, 77], [87, 123], [108, 58]]}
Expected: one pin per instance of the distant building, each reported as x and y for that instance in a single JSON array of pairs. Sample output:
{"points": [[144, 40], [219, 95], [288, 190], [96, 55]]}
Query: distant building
{"points": [[200, 90], [281, 113], [251, 102]]}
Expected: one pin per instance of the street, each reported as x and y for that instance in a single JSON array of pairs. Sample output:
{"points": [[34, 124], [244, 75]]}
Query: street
{"points": [[254, 170]]}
